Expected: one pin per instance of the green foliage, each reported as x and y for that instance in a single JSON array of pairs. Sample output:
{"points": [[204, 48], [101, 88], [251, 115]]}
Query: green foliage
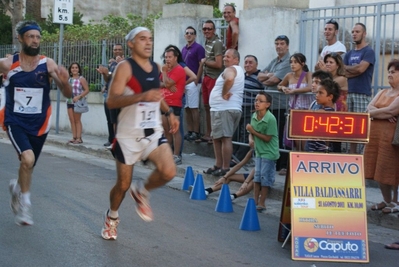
{"points": [[217, 13], [52, 28], [5, 29], [111, 27], [214, 3]]}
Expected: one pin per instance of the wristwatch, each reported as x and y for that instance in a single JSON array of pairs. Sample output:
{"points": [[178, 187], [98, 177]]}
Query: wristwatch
{"points": [[169, 112]]}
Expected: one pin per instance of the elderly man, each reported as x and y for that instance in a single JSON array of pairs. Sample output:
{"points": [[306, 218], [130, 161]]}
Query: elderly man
{"points": [[229, 15], [225, 102], [359, 68], [333, 45], [252, 86], [272, 75]]}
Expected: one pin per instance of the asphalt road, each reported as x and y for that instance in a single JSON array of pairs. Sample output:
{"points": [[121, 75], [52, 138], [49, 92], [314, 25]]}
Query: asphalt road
{"points": [[70, 193]]}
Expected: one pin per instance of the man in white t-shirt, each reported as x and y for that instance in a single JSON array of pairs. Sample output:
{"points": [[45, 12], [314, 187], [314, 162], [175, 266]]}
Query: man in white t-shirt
{"points": [[225, 103], [333, 45]]}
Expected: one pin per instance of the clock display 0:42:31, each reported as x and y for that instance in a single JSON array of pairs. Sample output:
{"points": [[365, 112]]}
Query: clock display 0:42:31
{"points": [[345, 126]]}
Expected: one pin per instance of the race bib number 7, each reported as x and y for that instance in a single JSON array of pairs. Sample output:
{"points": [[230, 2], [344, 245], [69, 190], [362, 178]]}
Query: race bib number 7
{"points": [[28, 100]]}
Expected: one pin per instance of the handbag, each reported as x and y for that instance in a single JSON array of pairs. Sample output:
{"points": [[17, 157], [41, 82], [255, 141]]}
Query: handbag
{"points": [[395, 140], [81, 106]]}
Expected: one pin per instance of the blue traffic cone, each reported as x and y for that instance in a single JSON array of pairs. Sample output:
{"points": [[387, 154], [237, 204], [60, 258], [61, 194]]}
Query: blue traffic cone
{"points": [[188, 178], [224, 202], [198, 192], [250, 220]]}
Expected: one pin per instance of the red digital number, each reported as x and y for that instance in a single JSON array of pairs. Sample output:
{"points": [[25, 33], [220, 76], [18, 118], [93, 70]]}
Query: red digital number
{"points": [[350, 125], [308, 126], [333, 124]]}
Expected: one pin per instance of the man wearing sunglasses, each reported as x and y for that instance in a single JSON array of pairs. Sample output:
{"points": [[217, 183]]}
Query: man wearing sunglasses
{"points": [[333, 45], [192, 54], [211, 66]]}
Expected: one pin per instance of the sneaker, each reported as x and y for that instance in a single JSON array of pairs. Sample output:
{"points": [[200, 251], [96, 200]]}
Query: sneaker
{"points": [[107, 144], [187, 136], [109, 147], [24, 215], [143, 207], [109, 231], [177, 159], [14, 191], [194, 136]]}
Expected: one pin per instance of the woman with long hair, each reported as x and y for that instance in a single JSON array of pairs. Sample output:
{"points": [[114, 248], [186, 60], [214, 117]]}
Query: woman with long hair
{"points": [[334, 65], [298, 84], [80, 89]]}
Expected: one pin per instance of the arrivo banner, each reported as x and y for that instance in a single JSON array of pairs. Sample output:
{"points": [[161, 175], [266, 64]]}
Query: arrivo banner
{"points": [[328, 207]]}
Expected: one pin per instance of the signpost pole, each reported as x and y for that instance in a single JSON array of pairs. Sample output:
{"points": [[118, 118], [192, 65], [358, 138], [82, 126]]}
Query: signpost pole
{"points": [[57, 119]]}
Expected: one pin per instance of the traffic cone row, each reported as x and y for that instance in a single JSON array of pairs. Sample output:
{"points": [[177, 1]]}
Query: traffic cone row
{"points": [[249, 221]]}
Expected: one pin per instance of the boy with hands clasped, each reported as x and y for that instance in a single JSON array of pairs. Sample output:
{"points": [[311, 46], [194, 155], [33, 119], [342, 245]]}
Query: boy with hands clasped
{"points": [[264, 138]]}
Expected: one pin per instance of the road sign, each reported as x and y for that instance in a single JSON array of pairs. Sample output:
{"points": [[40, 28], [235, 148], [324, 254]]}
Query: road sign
{"points": [[63, 12]]}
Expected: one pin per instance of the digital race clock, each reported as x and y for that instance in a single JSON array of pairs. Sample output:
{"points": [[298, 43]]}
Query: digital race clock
{"points": [[324, 125]]}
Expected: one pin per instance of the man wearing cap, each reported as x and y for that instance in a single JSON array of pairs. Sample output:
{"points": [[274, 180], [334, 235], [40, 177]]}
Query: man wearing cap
{"points": [[333, 45], [271, 76], [135, 89], [27, 113]]}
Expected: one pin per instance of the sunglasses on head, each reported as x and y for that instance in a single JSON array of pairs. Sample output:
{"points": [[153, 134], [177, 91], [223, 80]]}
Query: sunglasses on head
{"points": [[207, 29], [282, 37], [334, 22], [190, 33]]}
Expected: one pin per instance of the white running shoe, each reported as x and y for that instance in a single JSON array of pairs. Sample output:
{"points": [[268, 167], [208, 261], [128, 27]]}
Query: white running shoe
{"points": [[14, 191], [24, 215], [143, 207], [109, 231]]}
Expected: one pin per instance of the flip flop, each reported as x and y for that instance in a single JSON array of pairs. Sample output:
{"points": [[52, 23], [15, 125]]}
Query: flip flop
{"points": [[202, 139], [379, 206], [391, 208], [211, 170], [260, 208], [394, 247]]}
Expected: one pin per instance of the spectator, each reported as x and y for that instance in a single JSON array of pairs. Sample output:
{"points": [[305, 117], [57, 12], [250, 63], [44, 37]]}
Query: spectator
{"points": [[317, 77], [229, 15], [232, 176], [297, 84], [359, 67], [226, 102], [211, 66], [190, 77], [192, 54], [80, 89], [111, 115], [271, 76], [173, 80], [333, 45], [380, 156], [264, 137], [252, 87], [334, 65], [327, 94]]}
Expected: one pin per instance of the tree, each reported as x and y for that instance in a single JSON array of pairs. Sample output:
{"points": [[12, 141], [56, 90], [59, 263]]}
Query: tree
{"points": [[5, 27], [15, 7]]}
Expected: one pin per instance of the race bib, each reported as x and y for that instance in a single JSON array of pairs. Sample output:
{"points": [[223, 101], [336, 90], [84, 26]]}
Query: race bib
{"points": [[28, 100], [147, 115]]}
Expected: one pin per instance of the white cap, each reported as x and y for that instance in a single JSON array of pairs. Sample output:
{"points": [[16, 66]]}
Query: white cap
{"points": [[134, 32]]}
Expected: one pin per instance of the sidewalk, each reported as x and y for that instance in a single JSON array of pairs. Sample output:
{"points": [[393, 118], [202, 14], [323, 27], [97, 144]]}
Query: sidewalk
{"points": [[93, 145]]}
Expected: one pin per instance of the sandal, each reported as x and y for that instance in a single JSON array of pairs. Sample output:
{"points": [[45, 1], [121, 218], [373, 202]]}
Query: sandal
{"points": [[394, 246], [72, 140], [260, 208], [211, 170], [220, 172], [202, 139], [379, 206], [391, 208], [78, 141]]}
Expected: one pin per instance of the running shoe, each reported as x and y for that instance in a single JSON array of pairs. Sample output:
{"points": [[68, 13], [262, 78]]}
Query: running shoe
{"points": [[109, 231], [177, 159], [14, 191], [24, 215], [143, 207]]}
